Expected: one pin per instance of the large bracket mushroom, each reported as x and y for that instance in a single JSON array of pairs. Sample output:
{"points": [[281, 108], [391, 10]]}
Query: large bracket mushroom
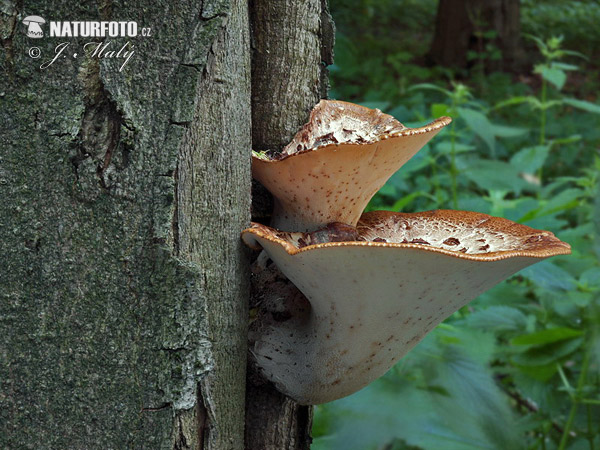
{"points": [[374, 298], [372, 294]]}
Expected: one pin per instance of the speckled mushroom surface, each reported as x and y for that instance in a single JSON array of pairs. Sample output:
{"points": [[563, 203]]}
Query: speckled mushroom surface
{"points": [[372, 299], [336, 163]]}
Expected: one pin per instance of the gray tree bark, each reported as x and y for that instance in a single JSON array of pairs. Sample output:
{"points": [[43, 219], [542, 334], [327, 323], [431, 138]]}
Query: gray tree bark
{"points": [[122, 193], [292, 43]]}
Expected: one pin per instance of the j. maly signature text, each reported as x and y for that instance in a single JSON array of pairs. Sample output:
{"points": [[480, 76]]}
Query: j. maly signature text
{"points": [[94, 50]]}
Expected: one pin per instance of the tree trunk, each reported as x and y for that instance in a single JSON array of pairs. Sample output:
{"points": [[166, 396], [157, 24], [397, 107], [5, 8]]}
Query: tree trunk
{"points": [[122, 195], [459, 28], [292, 43]]}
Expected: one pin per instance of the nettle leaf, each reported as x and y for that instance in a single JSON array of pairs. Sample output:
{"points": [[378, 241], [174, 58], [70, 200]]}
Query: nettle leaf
{"points": [[445, 147], [547, 354], [564, 66], [518, 100], [506, 293], [480, 125], [504, 131], [541, 373], [388, 190], [591, 277], [581, 299], [495, 175], [533, 383], [549, 276], [563, 304], [498, 318], [583, 105], [407, 200], [519, 207], [400, 112], [455, 403], [546, 336], [547, 222], [530, 159], [553, 75], [563, 201], [440, 109], [468, 202]]}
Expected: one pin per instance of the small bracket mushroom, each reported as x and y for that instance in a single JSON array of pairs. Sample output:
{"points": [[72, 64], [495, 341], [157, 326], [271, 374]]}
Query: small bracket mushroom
{"points": [[336, 163]]}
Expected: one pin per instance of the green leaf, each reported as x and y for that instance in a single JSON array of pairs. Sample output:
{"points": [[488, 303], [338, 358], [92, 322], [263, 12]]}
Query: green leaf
{"points": [[564, 66], [550, 104], [546, 336], [432, 87], [566, 140], [495, 175], [564, 201], [530, 159], [401, 203], [591, 277], [553, 75], [480, 125], [323, 419], [445, 147], [440, 109], [497, 318], [518, 101], [260, 154], [454, 401], [574, 53], [547, 354], [504, 131], [540, 43], [581, 299], [539, 373], [531, 385], [549, 276], [583, 105]]}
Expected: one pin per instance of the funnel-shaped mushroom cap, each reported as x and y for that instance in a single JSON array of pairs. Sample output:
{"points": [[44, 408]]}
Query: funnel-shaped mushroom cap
{"points": [[373, 299], [336, 163]]}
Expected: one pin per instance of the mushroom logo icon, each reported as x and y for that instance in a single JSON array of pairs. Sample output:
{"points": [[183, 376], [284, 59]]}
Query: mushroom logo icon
{"points": [[34, 29]]}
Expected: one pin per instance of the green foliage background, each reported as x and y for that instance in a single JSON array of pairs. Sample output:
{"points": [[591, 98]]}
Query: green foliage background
{"points": [[519, 367]]}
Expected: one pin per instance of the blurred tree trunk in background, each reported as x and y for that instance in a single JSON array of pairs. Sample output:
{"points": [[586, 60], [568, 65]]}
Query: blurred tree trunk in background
{"points": [[461, 26]]}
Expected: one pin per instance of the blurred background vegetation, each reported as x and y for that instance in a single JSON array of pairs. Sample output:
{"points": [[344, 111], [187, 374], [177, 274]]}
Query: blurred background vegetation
{"points": [[518, 368]]}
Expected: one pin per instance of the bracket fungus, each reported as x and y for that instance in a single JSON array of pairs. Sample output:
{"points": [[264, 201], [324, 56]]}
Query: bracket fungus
{"points": [[373, 285], [336, 163], [376, 296]]}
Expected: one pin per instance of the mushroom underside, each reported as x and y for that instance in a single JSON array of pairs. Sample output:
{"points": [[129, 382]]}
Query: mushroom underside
{"points": [[371, 302]]}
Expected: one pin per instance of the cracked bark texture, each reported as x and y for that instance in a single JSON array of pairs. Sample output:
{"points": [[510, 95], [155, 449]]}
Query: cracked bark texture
{"points": [[122, 194], [292, 44]]}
